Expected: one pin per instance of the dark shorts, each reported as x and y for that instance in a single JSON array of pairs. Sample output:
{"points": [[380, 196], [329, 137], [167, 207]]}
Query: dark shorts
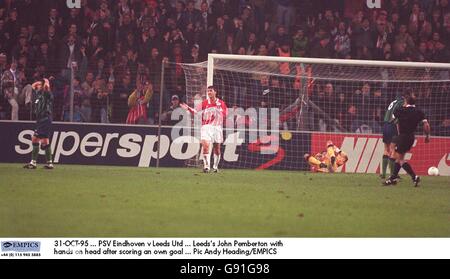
{"points": [[404, 143], [389, 132], [43, 128]]}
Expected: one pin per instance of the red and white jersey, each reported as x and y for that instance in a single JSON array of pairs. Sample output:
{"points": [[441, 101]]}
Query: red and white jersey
{"points": [[213, 113]]}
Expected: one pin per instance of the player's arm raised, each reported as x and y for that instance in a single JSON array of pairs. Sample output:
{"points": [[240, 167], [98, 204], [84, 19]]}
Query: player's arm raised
{"points": [[192, 110], [35, 85], [188, 108], [47, 86]]}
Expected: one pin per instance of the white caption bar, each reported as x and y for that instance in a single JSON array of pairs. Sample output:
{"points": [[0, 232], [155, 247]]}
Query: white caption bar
{"points": [[226, 248]]}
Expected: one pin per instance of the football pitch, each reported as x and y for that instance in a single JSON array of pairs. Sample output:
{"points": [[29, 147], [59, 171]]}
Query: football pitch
{"points": [[100, 201]]}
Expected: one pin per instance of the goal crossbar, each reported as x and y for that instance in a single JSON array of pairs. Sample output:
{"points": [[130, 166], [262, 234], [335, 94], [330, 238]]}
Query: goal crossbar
{"points": [[342, 62], [348, 62]]}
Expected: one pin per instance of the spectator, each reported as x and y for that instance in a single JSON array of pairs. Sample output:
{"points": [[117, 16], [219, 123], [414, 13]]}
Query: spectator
{"points": [[363, 38], [137, 102], [108, 40], [53, 41], [362, 99], [230, 47], [78, 96], [285, 14], [53, 20], [94, 50], [379, 105], [281, 35], [300, 44], [120, 99], [207, 19], [342, 44], [251, 45], [45, 58], [321, 45], [126, 26], [404, 38], [324, 98], [100, 101], [191, 15], [423, 52], [166, 116], [85, 91], [12, 26], [341, 109], [70, 56], [3, 101], [11, 86], [262, 92], [284, 51], [194, 55]]}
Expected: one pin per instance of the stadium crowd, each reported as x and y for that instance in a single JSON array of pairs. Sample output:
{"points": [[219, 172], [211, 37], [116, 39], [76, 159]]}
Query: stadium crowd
{"points": [[115, 48]]}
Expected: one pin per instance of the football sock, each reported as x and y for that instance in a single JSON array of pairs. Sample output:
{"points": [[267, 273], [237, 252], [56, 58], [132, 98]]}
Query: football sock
{"points": [[48, 153], [391, 163], [407, 167], [35, 152], [206, 160], [216, 161], [384, 165], [397, 168]]}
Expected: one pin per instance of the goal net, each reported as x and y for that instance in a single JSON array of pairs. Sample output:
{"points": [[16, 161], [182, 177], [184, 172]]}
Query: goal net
{"points": [[281, 108]]}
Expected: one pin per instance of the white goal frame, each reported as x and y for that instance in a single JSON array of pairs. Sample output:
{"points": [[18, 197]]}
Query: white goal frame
{"points": [[348, 62]]}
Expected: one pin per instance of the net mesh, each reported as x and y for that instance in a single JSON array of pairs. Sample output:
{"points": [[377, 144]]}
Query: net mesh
{"points": [[320, 102]]}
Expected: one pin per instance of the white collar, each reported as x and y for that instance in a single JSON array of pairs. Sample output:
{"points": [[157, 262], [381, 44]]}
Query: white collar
{"points": [[410, 106], [217, 101]]}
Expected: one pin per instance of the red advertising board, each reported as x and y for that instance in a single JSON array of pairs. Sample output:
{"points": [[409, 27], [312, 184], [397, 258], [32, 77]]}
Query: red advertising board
{"points": [[365, 152]]}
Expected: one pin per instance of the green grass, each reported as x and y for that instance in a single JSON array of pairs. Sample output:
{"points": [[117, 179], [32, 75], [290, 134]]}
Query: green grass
{"points": [[87, 201]]}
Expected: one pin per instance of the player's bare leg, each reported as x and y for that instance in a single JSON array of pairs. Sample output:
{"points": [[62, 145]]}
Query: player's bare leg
{"points": [[206, 155], [216, 151]]}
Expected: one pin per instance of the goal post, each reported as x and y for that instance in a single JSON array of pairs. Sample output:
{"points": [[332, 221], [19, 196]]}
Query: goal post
{"points": [[354, 62], [317, 100]]}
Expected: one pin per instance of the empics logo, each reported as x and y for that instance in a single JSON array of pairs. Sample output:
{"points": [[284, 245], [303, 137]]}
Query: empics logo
{"points": [[6, 244], [21, 246], [74, 4]]}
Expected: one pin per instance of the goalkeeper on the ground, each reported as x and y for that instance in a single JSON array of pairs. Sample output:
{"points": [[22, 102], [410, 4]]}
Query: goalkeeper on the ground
{"points": [[327, 161]]}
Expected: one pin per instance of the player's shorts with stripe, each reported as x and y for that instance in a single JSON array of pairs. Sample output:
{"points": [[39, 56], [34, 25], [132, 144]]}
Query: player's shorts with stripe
{"points": [[211, 133], [404, 143], [43, 128], [389, 132]]}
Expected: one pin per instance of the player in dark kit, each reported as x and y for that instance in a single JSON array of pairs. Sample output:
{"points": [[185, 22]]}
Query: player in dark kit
{"points": [[390, 133], [408, 118], [43, 107]]}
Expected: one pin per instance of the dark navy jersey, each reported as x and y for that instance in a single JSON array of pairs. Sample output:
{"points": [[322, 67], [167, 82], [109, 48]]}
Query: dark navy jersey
{"points": [[408, 118], [43, 103]]}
